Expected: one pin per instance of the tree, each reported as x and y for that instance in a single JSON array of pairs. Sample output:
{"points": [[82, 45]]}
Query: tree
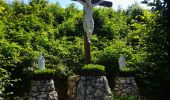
{"points": [[149, 38]]}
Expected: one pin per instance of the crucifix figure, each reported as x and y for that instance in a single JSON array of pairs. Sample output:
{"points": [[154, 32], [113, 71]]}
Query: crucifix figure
{"points": [[88, 22]]}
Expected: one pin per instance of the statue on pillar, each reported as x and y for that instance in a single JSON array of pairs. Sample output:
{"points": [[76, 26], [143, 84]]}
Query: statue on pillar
{"points": [[41, 61], [122, 62]]}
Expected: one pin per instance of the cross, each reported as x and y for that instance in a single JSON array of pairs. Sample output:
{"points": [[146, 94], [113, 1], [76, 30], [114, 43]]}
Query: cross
{"points": [[103, 3], [88, 22]]}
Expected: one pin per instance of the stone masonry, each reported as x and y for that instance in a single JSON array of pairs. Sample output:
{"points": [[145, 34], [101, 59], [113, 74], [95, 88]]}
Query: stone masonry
{"points": [[43, 90], [125, 86], [88, 88]]}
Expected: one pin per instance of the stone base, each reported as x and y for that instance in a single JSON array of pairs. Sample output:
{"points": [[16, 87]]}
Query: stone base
{"points": [[88, 88], [125, 86], [43, 90], [93, 88]]}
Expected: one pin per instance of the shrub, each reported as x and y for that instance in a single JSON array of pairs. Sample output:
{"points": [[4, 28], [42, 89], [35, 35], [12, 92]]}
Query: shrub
{"points": [[41, 74], [92, 70], [109, 56], [126, 97], [126, 72], [3, 80]]}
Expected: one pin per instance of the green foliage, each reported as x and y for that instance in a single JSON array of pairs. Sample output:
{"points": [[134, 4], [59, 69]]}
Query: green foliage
{"points": [[126, 72], [42, 74], [92, 70], [4, 79], [62, 71], [93, 67], [150, 61], [125, 69], [44, 71], [1, 30], [126, 97], [109, 56], [3, 7], [109, 23], [10, 53]]}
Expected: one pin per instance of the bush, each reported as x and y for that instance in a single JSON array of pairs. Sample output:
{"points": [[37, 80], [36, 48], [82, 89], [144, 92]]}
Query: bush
{"points": [[109, 57], [126, 97], [42, 74], [3, 80], [92, 70], [126, 72]]}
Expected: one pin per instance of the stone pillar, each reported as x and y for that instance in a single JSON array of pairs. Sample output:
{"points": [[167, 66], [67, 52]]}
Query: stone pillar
{"points": [[43, 90], [125, 85], [72, 87], [93, 88]]}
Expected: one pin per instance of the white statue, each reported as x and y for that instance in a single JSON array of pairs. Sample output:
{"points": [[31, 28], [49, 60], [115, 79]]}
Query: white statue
{"points": [[88, 22], [122, 62], [41, 61]]}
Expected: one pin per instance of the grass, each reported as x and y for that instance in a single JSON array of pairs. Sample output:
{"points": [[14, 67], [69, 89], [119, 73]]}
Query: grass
{"points": [[92, 70]]}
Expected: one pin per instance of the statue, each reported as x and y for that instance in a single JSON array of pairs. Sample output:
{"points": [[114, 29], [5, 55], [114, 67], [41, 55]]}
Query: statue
{"points": [[88, 22], [122, 62], [41, 61]]}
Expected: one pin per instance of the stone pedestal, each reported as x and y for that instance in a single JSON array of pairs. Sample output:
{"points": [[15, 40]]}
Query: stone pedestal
{"points": [[93, 88], [43, 90], [125, 85]]}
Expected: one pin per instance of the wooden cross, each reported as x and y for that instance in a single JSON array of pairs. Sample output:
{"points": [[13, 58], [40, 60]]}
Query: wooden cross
{"points": [[88, 22], [104, 3]]}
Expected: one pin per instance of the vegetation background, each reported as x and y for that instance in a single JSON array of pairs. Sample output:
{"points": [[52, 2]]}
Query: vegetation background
{"points": [[27, 29]]}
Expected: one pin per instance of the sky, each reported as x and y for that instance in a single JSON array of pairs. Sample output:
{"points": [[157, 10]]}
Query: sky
{"points": [[116, 3]]}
